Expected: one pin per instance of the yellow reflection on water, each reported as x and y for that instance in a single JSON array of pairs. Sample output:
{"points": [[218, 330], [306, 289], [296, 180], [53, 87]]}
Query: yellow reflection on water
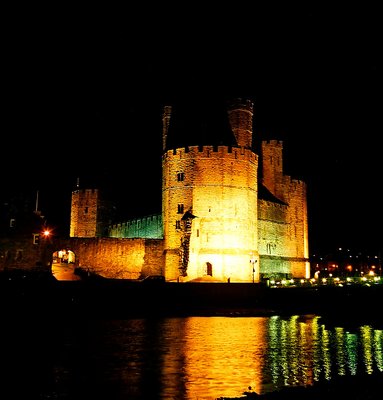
{"points": [[212, 357], [224, 356], [340, 351]]}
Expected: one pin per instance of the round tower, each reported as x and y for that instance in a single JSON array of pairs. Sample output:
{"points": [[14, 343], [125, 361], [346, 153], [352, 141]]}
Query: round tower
{"points": [[209, 209]]}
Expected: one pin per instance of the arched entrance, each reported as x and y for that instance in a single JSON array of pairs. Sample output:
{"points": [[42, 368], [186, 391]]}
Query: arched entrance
{"points": [[63, 265]]}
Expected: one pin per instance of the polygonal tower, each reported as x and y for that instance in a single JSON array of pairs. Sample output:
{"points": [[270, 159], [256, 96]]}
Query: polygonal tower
{"points": [[84, 213], [209, 201]]}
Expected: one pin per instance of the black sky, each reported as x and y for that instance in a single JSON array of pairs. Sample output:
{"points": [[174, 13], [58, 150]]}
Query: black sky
{"points": [[83, 93]]}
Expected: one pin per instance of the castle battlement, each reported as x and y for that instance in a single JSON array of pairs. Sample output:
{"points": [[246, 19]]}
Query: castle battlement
{"points": [[235, 153], [84, 191], [292, 182], [273, 142], [134, 221]]}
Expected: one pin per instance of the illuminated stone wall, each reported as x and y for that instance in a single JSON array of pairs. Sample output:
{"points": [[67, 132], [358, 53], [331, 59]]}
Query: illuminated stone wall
{"points": [[219, 191], [119, 258]]}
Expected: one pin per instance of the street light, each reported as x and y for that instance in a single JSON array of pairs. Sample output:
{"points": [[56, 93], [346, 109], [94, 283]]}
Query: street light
{"points": [[46, 233]]}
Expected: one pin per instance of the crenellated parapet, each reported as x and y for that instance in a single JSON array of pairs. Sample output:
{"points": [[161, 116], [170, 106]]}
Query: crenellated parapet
{"points": [[288, 180], [195, 152], [89, 192], [293, 186], [148, 227], [273, 142]]}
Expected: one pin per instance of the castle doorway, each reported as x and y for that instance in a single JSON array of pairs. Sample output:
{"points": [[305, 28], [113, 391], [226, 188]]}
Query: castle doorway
{"points": [[209, 269]]}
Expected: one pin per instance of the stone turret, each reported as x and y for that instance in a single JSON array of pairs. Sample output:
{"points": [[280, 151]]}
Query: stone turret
{"points": [[241, 120]]}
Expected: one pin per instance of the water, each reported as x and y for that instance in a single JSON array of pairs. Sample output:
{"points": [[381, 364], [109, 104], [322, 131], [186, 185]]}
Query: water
{"points": [[179, 358]]}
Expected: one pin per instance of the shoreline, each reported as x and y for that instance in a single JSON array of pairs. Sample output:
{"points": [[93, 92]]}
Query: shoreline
{"points": [[125, 299]]}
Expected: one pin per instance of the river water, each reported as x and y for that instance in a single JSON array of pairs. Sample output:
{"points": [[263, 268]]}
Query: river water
{"points": [[180, 357]]}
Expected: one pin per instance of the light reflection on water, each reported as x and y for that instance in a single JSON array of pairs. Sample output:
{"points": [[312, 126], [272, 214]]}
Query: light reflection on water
{"points": [[189, 358]]}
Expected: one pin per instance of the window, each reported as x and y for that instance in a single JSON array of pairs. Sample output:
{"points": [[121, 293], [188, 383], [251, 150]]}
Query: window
{"points": [[180, 176], [180, 209], [86, 210], [178, 224], [12, 223], [36, 238]]}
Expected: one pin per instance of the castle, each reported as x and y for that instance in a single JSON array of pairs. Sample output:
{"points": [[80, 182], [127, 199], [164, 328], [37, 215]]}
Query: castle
{"points": [[228, 213]]}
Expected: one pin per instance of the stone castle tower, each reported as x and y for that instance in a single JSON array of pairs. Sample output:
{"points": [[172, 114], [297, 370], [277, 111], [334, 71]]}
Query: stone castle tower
{"points": [[209, 206], [85, 216], [228, 210]]}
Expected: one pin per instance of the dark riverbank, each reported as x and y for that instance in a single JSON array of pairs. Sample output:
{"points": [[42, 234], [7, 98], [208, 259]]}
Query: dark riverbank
{"points": [[120, 299]]}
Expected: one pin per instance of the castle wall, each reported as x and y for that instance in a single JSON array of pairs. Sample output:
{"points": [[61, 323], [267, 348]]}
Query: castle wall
{"points": [[282, 231], [149, 227], [219, 188], [119, 258], [273, 228], [286, 236]]}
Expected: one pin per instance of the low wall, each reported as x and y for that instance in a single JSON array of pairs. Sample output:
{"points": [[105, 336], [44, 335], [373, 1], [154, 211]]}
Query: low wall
{"points": [[119, 258]]}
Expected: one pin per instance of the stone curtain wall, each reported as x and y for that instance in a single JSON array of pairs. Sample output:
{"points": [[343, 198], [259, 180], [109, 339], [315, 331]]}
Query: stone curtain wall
{"points": [[119, 258], [149, 227], [273, 228]]}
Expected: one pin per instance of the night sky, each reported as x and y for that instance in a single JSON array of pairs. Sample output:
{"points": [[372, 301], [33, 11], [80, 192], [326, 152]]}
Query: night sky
{"points": [[83, 94]]}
